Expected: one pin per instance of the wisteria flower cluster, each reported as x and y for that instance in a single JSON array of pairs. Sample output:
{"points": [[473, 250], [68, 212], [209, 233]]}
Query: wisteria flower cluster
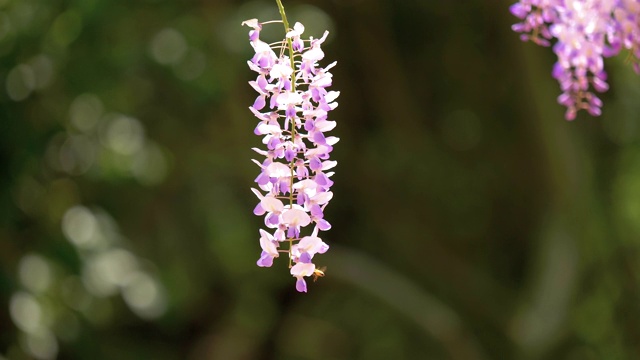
{"points": [[292, 105], [586, 32]]}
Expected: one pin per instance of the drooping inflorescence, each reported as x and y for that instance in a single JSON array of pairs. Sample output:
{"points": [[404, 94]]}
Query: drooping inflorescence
{"points": [[586, 31], [292, 105]]}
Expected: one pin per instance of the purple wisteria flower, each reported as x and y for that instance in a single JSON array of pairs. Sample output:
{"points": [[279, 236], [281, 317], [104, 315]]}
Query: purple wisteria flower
{"points": [[586, 32], [292, 107]]}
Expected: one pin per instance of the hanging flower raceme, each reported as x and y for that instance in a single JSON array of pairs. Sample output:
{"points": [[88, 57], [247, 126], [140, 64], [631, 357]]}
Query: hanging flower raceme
{"points": [[292, 107], [586, 32]]}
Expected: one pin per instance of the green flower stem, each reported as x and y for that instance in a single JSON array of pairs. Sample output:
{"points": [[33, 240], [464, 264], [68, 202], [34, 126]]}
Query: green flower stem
{"points": [[285, 22], [293, 126]]}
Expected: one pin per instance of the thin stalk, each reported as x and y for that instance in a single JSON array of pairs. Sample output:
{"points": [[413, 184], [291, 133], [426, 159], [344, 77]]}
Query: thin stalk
{"points": [[285, 22]]}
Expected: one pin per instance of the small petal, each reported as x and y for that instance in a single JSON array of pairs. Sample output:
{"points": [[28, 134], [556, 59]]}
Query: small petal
{"points": [[313, 54], [259, 210], [322, 198], [259, 103], [323, 225], [295, 217], [302, 269], [265, 260], [251, 23], [267, 243], [298, 29], [519, 10], [271, 204], [326, 165], [301, 285]]}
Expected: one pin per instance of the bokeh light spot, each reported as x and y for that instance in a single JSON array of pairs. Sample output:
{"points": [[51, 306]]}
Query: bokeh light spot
{"points": [[22, 13], [5, 25], [85, 112], [20, 82], [144, 295], [105, 272], [124, 135], [25, 312], [27, 194], [43, 70], [35, 273], [150, 166], [66, 27], [192, 66], [80, 226], [115, 265], [42, 344], [95, 281], [77, 154], [168, 47]]}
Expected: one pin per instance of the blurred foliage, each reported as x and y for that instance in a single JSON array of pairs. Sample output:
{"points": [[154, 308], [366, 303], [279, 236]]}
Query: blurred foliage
{"points": [[470, 221]]}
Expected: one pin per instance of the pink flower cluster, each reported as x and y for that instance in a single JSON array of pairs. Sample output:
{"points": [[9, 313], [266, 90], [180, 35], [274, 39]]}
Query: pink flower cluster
{"points": [[292, 105], [586, 31]]}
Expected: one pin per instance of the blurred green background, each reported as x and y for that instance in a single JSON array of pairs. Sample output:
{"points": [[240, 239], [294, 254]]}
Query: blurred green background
{"points": [[470, 220]]}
